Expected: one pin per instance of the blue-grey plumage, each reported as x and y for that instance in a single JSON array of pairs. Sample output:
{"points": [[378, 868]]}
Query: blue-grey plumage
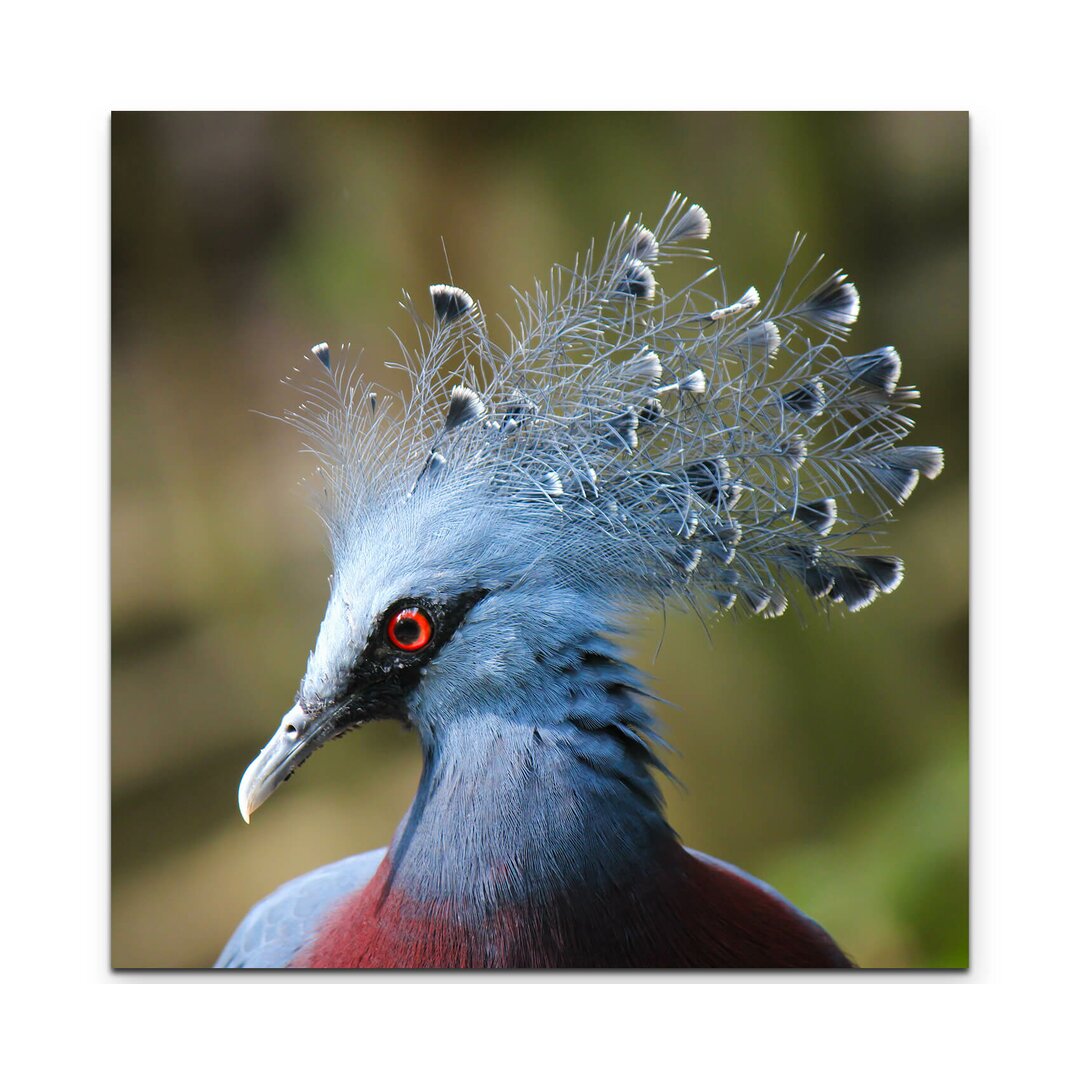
{"points": [[283, 924], [490, 531]]}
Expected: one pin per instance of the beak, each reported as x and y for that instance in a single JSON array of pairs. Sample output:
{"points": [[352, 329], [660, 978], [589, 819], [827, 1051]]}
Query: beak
{"points": [[298, 736]]}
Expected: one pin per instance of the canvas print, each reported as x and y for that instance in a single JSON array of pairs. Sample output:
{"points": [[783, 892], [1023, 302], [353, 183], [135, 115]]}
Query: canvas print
{"points": [[629, 549]]}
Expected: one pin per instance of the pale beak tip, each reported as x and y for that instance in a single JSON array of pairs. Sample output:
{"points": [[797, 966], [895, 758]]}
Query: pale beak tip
{"points": [[247, 794], [275, 761]]}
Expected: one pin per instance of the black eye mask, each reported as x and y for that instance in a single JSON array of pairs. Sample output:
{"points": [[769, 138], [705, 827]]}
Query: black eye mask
{"points": [[384, 676]]}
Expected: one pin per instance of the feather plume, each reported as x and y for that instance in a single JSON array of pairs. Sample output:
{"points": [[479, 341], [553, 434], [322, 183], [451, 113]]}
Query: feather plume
{"points": [[558, 448]]}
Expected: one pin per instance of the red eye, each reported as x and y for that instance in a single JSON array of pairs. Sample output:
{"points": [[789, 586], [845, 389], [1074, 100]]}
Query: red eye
{"points": [[409, 630]]}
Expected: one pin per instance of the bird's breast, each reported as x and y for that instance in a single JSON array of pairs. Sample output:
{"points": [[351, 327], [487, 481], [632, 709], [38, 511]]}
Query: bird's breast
{"points": [[683, 912]]}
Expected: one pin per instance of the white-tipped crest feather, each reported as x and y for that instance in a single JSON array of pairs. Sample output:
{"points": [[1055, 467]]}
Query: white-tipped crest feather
{"points": [[556, 452]]}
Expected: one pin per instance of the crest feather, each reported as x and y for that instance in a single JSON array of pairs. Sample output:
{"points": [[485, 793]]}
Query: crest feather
{"points": [[560, 447]]}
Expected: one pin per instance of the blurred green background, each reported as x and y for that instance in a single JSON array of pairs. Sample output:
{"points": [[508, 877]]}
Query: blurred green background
{"points": [[827, 755]]}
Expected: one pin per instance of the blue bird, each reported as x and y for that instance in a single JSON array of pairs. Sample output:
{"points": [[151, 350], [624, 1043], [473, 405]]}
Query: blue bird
{"points": [[493, 528]]}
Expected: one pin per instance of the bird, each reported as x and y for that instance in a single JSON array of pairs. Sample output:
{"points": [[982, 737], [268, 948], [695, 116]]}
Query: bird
{"points": [[495, 528]]}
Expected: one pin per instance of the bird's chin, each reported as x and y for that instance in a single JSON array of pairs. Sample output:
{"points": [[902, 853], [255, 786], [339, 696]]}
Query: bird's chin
{"points": [[298, 736]]}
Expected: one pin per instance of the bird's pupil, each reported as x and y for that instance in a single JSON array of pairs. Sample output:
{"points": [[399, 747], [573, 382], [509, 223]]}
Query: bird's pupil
{"points": [[407, 630]]}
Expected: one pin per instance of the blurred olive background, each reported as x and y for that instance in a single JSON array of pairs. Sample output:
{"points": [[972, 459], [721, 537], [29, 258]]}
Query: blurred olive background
{"points": [[826, 754]]}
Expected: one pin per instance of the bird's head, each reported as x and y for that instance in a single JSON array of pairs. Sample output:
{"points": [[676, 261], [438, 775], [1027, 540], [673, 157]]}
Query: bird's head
{"points": [[439, 606], [627, 446]]}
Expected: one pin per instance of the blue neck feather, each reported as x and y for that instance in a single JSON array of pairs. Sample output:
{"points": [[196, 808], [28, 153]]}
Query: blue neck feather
{"points": [[544, 800]]}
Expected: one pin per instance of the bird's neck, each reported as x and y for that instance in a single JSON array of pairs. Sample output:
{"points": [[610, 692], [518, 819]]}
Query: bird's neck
{"points": [[532, 836], [537, 839], [542, 792], [506, 811]]}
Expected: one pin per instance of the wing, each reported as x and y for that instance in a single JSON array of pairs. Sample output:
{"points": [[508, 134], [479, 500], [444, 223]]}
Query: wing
{"points": [[278, 927], [774, 932]]}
